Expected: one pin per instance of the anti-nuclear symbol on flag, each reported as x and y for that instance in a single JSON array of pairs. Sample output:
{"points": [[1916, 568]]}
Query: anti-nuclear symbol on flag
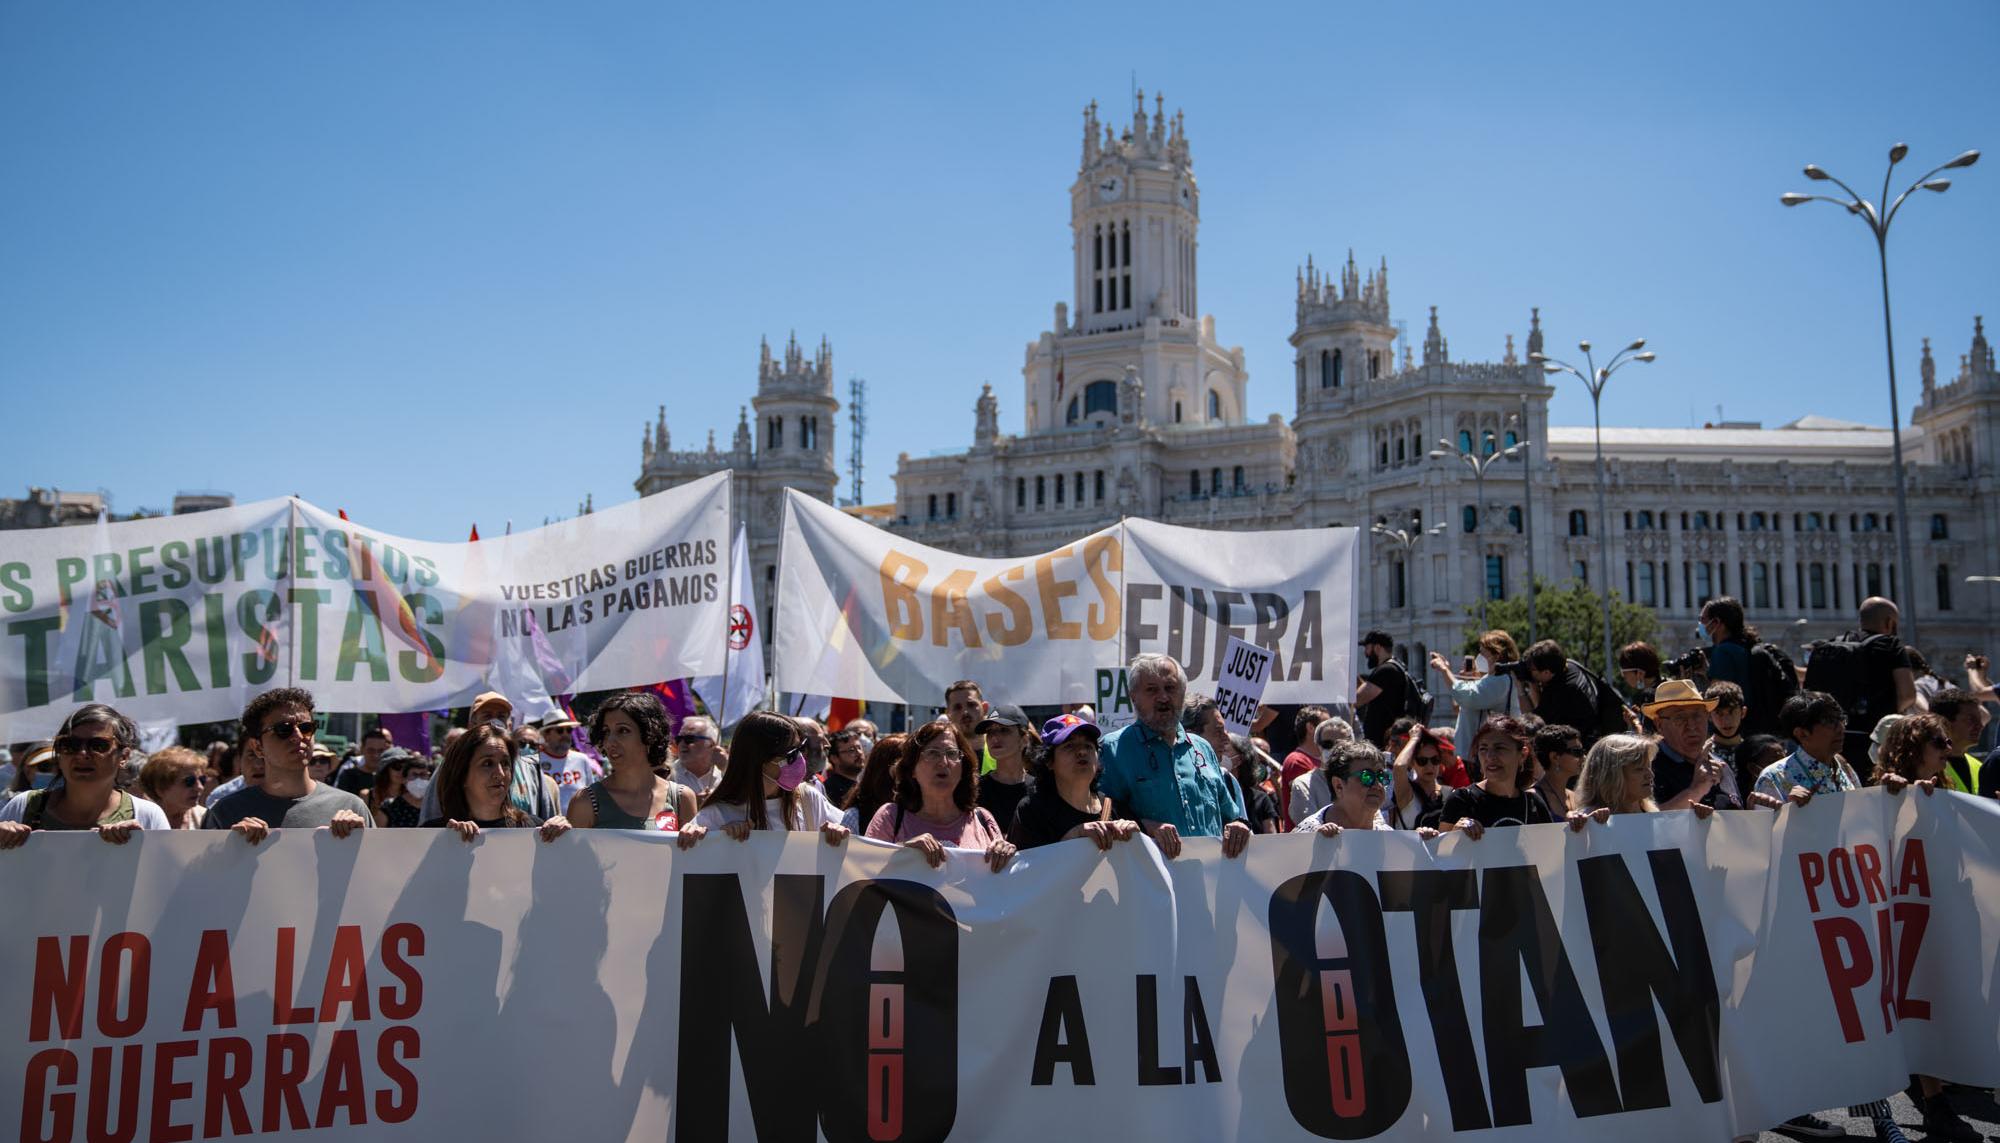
{"points": [[740, 627]]}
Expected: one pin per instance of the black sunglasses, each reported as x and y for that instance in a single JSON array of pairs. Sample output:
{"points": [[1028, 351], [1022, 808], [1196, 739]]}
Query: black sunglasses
{"points": [[304, 729], [191, 781], [98, 744]]}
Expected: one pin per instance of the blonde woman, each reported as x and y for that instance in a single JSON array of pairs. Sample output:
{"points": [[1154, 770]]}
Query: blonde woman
{"points": [[1618, 779]]}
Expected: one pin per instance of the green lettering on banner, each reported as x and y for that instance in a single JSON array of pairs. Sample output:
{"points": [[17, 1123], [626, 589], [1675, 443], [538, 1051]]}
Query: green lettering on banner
{"points": [[305, 632], [429, 614], [1114, 699], [139, 570], [163, 634], [261, 662], [333, 553], [242, 545], [100, 654], [361, 642], [303, 553], [216, 623], [35, 654], [70, 571], [14, 581], [175, 573]]}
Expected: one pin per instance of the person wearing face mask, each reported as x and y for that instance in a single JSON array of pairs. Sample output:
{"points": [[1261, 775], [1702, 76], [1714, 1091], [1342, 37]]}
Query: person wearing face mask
{"points": [[631, 729], [93, 742], [936, 801], [401, 781], [37, 768], [1482, 693], [767, 786]]}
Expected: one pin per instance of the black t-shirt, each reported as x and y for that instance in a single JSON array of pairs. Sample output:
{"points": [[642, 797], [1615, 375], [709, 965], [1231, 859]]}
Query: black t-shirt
{"points": [[355, 780], [1525, 808], [1384, 709], [1570, 699], [1673, 775], [836, 786], [1262, 808], [1043, 817], [1000, 798]]}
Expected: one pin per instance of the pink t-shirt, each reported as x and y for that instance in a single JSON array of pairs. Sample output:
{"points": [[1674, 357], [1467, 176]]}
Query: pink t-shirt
{"points": [[975, 830]]}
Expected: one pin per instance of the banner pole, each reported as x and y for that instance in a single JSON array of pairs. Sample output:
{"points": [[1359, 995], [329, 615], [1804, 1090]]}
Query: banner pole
{"points": [[292, 657], [728, 623]]}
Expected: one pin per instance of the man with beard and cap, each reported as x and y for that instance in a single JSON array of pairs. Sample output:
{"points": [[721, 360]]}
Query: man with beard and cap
{"points": [[1168, 779], [570, 769], [1382, 694]]}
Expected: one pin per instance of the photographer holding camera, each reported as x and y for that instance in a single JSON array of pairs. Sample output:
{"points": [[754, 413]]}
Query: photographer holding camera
{"points": [[1563, 691]]}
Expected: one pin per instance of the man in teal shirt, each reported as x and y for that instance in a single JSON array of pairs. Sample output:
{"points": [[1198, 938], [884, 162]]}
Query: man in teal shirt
{"points": [[1168, 779]]}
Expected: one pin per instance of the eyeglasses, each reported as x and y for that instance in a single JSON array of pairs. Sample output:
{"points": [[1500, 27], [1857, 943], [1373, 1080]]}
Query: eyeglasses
{"points": [[98, 744], [304, 729], [945, 755], [686, 740]]}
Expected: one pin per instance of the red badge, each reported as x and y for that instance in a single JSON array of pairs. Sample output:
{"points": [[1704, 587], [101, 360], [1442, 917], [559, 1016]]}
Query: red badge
{"points": [[667, 821]]}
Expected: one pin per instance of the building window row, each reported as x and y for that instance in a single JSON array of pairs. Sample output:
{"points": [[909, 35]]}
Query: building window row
{"points": [[1111, 267], [1069, 488]]}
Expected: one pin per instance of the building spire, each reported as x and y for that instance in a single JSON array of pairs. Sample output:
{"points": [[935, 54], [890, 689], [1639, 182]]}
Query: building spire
{"points": [[1510, 359], [742, 442], [660, 438], [1534, 331], [1982, 353], [1434, 344], [1929, 370]]}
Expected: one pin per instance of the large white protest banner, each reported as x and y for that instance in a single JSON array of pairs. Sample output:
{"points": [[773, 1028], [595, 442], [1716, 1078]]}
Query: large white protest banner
{"points": [[182, 618], [865, 614], [1658, 978]]}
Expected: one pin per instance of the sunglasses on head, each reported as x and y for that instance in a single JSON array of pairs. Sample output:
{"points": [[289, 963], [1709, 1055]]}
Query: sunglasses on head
{"points": [[304, 729], [96, 744]]}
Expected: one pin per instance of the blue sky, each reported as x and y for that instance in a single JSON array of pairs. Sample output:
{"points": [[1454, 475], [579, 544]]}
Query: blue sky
{"points": [[435, 263]]}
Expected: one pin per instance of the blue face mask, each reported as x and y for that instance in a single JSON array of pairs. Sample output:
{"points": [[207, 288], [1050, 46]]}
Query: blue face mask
{"points": [[43, 780]]}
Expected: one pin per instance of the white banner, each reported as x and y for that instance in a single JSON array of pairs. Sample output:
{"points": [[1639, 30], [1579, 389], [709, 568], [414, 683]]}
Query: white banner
{"points": [[183, 618], [865, 614], [1656, 979]]}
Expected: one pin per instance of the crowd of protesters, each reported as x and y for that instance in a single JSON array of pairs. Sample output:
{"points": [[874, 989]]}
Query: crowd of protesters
{"points": [[1527, 737]]}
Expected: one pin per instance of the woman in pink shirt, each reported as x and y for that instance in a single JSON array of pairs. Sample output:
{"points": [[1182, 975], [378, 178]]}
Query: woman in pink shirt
{"points": [[935, 800]]}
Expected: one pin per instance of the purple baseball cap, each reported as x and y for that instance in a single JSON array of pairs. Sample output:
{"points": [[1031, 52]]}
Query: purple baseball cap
{"points": [[1058, 730]]}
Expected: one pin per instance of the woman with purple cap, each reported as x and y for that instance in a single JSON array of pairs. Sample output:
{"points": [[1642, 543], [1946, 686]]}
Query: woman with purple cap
{"points": [[1064, 802]]}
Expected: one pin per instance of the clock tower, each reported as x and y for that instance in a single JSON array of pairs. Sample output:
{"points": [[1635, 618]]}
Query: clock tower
{"points": [[1134, 213]]}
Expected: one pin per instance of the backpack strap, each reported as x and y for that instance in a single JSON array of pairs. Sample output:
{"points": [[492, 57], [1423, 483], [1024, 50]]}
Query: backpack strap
{"points": [[36, 809]]}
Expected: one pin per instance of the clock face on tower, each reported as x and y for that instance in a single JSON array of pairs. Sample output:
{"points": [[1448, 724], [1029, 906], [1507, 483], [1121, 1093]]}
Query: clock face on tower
{"points": [[1110, 188]]}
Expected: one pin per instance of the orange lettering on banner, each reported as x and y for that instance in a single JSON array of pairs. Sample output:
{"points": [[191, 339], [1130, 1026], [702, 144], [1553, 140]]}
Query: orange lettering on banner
{"points": [[1023, 627], [1054, 591], [1103, 613], [949, 609], [900, 576]]}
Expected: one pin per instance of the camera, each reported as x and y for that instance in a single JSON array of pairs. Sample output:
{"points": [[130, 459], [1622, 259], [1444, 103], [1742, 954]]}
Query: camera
{"points": [[1693, 662], [1516, 669]]}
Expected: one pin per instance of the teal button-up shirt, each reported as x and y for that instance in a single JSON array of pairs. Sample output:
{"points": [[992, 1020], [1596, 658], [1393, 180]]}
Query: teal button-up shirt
{"points": [[1176, 780]]}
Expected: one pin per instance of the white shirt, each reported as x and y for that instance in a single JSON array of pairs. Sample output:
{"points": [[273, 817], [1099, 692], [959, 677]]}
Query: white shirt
{"points": [[571, 773], [702, 786], [1310, 794], [148, 815], [1318, 819], [814, 811]]}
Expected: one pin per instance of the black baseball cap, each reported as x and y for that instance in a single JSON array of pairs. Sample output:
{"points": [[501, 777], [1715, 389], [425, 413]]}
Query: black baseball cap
{"points": [[1006, 714]]}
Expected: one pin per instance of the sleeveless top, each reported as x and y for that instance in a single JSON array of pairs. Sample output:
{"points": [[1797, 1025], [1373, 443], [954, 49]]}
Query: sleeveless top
{"points": [[609, 815], [401, 814], [36, 815]]}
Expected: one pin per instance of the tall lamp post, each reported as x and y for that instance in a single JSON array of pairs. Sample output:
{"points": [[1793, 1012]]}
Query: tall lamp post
{"points": [[1594, 380], [1527, 506], [1877, 221], [1478, 464], [1407, 539]]}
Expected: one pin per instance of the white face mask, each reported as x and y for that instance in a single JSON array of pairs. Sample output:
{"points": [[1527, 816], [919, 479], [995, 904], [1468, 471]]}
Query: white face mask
{"points": [[418, 786], [1484, 664]]}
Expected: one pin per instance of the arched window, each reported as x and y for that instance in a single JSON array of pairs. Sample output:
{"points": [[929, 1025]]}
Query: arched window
{"points": [[1041, 491], [1399, 450], [1177, 412], [951, 505], [1194, 483], [1020, 492], [1214, 405], [1339, 369], [1398, 582], [1215, 481], [1100, 397], [1874, 579], [1701, 521], [933, 506], [1383, 459], [1704, 583], [1465, 440], [1645, 520], [1579, 522], [1237, 478], [1374, 364], [1486, 443], [1060, 482], [1513, 438], [1648, 592], [1496, 577], [1077, 489], [1944, 587], [1326, 369], [1760, 585], [1940, 527], [1814, 522], [1469, 518], [1514, 517], [1098, 482], [1816, 586], [1756, 521], [1075, 410]]}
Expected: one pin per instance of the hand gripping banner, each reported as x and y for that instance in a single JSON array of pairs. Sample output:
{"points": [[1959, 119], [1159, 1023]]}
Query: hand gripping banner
{"points": [[183, 618], [1653, 980], [865, 614]]}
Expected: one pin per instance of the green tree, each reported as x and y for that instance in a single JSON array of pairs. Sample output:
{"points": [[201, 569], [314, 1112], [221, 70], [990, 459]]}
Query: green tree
{"points": [[1570, 613]]}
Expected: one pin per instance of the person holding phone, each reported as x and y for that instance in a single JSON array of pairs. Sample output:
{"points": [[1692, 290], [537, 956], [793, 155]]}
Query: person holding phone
{"points": [[1478, 689]]}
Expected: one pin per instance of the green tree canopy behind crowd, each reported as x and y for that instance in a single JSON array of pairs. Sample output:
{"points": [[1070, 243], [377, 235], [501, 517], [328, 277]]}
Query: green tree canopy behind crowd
{"points": [[1571, 614]]}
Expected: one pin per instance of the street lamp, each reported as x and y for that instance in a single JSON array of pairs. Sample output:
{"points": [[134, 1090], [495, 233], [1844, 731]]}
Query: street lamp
{"points": [[1527, 506], [1594, 380], [1877, 221], [1406, 539], [1478, 464]]}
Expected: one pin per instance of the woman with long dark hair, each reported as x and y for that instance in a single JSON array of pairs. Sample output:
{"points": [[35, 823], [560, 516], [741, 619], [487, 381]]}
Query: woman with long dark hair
{"points": [[632, 731], [473, 784], [766, 786], [91, 749], [937, 803], [877, 785]]}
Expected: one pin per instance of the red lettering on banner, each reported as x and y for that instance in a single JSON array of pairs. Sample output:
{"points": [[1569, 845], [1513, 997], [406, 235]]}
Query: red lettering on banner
{"points": [[1868, 863], [340, 1083], [1840, 874], [346, 976], [59, 982], [1843, 947], [393, 1069], [168, 1091], [1812, 871], [1853, 874], [287, 1058], [99, 1113], [283, 1011], [214, 985], [112, 969], [228, 1074], [1915, 877], [399, 942], [36, 1095]]}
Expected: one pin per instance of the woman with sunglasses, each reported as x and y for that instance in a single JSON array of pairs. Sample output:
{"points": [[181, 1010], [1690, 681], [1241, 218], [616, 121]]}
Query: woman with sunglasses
{"points": [[936, 801], [1360, 785], [766, 785], [1417, 796], [1559, 757], [631, 730], [175, 779], [1915, 752], [400, 786], [91, 746], [1502, 796]]}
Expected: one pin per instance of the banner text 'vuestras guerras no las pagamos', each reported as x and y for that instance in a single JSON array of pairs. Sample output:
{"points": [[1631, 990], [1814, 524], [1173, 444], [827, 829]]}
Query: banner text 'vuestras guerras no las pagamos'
{"points": [[1656, 978]]}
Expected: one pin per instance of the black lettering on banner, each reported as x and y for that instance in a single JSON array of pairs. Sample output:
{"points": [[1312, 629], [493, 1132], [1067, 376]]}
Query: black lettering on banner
{"points": [[1151, 1074], [1346, 1068], [1635, 967], [1063, 1038], [1429, 896], [1516, 929]]}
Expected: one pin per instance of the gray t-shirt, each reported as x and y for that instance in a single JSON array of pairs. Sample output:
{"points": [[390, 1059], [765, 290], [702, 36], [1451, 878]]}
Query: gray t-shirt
{"points": [[309, 812]]}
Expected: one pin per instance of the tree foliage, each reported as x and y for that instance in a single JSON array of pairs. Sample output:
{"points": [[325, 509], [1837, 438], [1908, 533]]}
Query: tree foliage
{"points": [[1570, 613]]}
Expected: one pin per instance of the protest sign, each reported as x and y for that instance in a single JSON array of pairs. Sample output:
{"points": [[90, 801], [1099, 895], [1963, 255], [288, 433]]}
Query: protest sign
{"points": [[865, 614], [1654, 980], [1114, 699], [1246, 668], [183, 618]]}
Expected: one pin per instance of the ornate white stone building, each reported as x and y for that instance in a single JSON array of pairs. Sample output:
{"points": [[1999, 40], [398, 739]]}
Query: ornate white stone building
{"points": [[1132, 407]]}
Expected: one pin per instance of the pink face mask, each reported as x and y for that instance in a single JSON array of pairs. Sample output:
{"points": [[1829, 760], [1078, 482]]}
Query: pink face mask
{"points": [[793, 772]]}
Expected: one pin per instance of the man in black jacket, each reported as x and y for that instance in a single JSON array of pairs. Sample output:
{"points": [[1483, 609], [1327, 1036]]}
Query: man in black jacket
{"points": [[1569, 694]]}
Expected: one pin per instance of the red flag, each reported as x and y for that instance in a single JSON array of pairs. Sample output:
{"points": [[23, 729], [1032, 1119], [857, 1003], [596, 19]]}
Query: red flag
{"points": [[842, 712], [475, 535], [343, 514]]}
